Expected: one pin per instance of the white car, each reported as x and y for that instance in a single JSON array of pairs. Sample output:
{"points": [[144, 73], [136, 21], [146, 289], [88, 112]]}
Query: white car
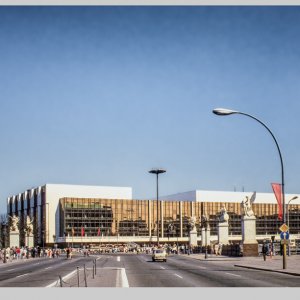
{"points": [[159, 254]]}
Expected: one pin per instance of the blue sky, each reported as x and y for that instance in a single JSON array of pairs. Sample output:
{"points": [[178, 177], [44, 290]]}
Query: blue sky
{"points": [[99, 95]]}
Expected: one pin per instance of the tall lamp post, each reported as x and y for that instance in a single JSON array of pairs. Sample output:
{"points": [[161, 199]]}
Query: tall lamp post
{"points": [[226, 112], [157, 172], [205, 225]]}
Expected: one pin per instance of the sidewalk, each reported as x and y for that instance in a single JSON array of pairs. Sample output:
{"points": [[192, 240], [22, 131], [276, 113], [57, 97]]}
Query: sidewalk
{"points": [[274, 264]]}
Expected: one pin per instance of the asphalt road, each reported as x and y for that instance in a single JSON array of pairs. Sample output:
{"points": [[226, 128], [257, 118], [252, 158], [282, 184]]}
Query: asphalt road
{"points": [[131, 270], [181, 271], [38, 272]]}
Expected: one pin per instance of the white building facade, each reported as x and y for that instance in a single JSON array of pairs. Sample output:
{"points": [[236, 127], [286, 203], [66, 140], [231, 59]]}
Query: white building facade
{"points": [[41, 204]]}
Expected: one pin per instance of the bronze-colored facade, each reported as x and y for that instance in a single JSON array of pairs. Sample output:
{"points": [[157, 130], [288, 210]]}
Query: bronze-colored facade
{"points": [[109, 217]]}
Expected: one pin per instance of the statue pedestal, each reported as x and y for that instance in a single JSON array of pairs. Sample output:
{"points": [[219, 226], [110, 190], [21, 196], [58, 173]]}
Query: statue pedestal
{"points": [[193, 238], [29, 240], [250, 245], [223, 233], [14, 239], [205, 236]]}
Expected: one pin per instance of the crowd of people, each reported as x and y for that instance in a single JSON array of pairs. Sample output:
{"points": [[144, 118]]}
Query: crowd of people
{"points": [[16, 253]]}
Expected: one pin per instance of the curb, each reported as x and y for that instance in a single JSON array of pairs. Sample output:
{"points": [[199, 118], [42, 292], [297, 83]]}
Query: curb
{"points": [[268, 270]]}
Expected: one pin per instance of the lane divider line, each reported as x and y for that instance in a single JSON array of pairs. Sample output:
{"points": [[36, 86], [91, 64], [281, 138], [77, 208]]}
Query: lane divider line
{"points": [[233, 274], [122, 280], [178, 275], [22, 275]]}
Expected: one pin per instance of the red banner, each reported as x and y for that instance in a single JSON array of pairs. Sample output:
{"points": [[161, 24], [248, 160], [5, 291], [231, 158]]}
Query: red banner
{"points": [[277, 191], [98, 232], [82, 231]]}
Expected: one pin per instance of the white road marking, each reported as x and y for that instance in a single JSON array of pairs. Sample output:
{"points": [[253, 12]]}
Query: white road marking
{"points": [[64, 278], [162, 267], [122, 280], [233, 274], [22, 275], [48, 268], [118, 258], [11, 269], [202, 267], [178, 275]]}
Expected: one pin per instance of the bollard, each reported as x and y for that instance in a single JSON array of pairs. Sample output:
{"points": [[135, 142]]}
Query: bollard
{"points": [[78, 276], [84, 276], [93, 270], [60, 281], [95, 267], [4, 258]]}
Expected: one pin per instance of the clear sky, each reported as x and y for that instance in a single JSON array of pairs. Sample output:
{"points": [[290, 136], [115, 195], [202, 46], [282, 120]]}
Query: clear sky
{"points": [[99, 95]]}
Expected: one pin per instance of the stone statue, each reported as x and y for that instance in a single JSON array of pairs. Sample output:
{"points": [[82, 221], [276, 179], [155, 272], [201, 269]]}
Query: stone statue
{"points": [[14, 223], [247, 205], [224, 217], [29, 225], [192, 223]]}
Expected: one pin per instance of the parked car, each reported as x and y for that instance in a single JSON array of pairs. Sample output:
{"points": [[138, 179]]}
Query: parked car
{"points": [[159, 254]]}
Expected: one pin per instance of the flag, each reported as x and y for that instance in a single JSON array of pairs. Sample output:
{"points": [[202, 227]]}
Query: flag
{"points": [[277, 191], [98, 233], [82, 231]]}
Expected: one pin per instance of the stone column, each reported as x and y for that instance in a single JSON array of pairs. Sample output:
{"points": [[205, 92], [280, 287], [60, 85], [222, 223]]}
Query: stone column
{"points": [[14, 239], [30, 240], [205, 241], [193, 238], [250, 244], [223, 233]]}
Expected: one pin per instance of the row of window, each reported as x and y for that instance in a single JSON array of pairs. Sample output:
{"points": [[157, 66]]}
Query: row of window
{"points": [[118, 215]]}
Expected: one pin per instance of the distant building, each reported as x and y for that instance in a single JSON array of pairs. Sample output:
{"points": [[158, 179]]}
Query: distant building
{"points": [[42, 204], [91, 215]]}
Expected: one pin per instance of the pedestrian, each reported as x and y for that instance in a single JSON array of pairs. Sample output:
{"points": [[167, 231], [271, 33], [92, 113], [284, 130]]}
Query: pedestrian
{"points": [[220, 249], [271, 250], [217, 249], [264, 250]]}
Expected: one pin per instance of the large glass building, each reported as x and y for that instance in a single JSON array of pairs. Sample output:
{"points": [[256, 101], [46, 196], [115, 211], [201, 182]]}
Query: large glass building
{"points": [[90, 216]]}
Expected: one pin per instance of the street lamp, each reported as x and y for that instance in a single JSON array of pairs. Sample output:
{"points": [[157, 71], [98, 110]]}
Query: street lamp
{"points": [[157, 172], [205, 224], [287, 210], [226, 112]]}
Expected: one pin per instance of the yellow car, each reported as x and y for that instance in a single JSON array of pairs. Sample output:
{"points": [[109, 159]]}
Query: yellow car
{"points": [[159, 254]]}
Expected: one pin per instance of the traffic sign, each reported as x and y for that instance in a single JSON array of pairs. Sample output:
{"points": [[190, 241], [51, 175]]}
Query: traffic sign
{"points": [[284, 235], [284, 228]]}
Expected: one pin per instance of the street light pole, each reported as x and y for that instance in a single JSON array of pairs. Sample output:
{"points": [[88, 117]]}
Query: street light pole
{"points": [[157, 172], [205, 224], [226, 112]]}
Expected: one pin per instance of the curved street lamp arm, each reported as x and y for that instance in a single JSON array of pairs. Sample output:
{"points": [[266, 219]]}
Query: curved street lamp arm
{"points": [[281, 161]]}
